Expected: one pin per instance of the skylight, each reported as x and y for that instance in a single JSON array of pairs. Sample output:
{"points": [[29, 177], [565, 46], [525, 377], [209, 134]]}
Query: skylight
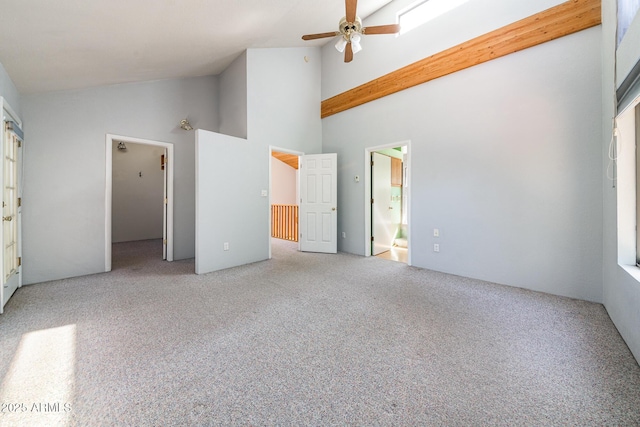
{"points": [[424, 11], [627, 10]]}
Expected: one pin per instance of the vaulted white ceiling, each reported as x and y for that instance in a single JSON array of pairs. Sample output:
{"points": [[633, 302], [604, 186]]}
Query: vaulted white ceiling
{"points": [[50, 45]]}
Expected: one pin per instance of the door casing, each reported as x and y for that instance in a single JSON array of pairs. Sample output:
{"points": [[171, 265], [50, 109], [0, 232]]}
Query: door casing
{"points": [[381, 194], [296, 153], [367, 194], [168, 226], [7, 113]]}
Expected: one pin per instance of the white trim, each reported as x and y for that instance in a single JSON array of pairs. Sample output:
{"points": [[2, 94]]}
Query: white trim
{"points": [[367, 195], [631, 270], [631, 105], [287, 151], [625, 187], [6, 108], [109, 139]]}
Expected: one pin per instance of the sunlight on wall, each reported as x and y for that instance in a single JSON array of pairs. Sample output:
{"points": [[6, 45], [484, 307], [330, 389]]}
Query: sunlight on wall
{"points": [[38, 388]]}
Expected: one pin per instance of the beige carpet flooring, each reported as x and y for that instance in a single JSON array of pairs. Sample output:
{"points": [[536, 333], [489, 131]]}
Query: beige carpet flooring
{"points": [[306, 339]]}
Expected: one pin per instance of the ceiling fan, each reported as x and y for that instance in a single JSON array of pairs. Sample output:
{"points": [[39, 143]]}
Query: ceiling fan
{"points": [[351, 30]]}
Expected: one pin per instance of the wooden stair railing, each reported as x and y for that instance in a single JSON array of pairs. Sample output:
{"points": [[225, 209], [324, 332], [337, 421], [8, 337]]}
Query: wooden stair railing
{"points": [[284, 222]]}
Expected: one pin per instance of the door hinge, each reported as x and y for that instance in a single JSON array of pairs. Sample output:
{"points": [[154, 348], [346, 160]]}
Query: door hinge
{"points": [[164, 241], [19, 144], [19, 261], [371, 200], [166, 201], [372, 238], [19, 202], [371, 162]]}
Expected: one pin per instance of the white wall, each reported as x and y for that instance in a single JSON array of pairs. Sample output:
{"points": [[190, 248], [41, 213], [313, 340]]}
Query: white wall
{"points": [[283, 183], [64, 220], [283, 110], [233, 209], [64, 190], [233, 98], [283, 87], [505, 162], [621, 291], [9, 92], [138, 193]]}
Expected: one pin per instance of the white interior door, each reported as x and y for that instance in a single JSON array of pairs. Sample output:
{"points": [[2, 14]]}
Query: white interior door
{"points": [[318, 214], [382, 225], [11, 155]]}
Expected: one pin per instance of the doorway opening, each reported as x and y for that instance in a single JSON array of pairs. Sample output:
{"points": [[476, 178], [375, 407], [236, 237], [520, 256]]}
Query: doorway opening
{"points": [[139, 193], [387, 202], [284, 191]]}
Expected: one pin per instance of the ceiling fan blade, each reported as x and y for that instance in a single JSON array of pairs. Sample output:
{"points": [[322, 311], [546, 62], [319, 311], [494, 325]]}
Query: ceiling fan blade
{"points": [[350, 6], [348, 53], [382, 29], [320, 35]]}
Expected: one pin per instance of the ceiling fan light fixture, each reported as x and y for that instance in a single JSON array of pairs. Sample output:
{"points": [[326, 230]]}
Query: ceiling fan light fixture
{"points": [[355, 43], [350, 31], [341, 44]]}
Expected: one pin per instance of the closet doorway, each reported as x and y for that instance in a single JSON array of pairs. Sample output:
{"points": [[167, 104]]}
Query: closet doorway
{"points": [[139, 194]]}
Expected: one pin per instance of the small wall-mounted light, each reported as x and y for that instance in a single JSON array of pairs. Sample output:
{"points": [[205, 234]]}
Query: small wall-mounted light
{"points": [[184, 124], [121, 146]]}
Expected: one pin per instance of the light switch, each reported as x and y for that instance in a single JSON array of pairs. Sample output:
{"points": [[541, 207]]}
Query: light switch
{"points": [[264, 193]]}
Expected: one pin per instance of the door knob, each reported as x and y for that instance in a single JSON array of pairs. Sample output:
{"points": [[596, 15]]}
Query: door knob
{"points": [[333, 209]]}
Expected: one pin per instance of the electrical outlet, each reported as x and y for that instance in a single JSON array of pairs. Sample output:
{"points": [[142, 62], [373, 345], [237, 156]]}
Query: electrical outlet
{"points": [[436, 247], [436, 232], [344, 235], [225, 246]]}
